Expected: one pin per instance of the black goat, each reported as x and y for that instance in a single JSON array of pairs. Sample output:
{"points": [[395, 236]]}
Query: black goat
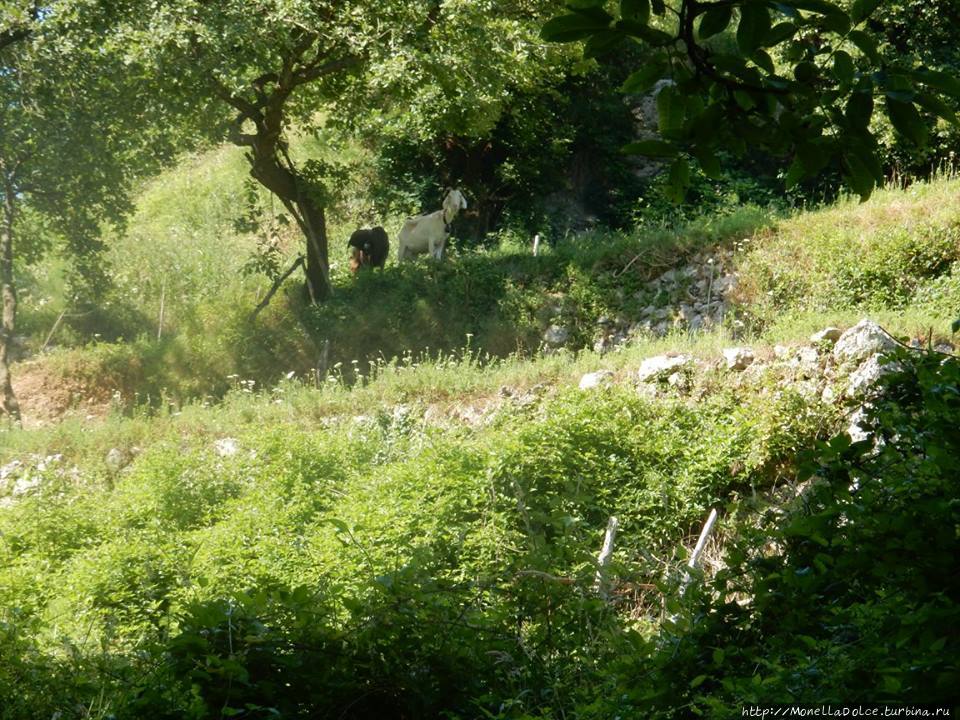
{"points": [[369, 247]]}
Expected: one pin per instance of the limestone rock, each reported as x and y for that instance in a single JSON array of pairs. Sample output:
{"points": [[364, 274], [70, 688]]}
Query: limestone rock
{"points": [[738, 358], [828, 395], [10, 469], [596, 380], [830, 334], [661, 367], [864, 339], [866, 376], [117, 459], [855, 430], [556, 335]]}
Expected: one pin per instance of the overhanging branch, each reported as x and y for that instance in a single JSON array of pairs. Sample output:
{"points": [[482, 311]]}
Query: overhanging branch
{"points": [[276, 286]]}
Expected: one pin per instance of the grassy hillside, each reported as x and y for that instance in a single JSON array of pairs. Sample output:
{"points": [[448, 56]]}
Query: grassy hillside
{"points": [[893, 257], [412, 531]]}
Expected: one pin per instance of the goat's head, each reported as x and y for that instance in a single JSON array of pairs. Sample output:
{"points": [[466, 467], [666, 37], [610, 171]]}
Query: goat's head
{"points": [[453, 202]]}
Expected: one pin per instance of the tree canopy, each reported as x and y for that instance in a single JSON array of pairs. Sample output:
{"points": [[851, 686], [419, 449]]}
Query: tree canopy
{"points": [[74, 127], [801, 79]]}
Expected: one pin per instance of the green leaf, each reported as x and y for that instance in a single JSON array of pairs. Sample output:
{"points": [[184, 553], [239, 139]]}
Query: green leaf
{"points": [[933, 104], [715, 21], [891, 684], [744, 99], [568, 28], [707, 124], [678, 180], [762, 59], [865, 44], [718, 656], [779, 33], [805, 71], [944, 82], [650, 148], [836, 22], [862, 9], [858, 176], [669, 110], [708, 161], [907, 121], [636, 10], [643, 79], [585, 4], [340, 525], [859, 109], [753, 28], [652, 36], [843, 69], [795, 173], [698, 681], [814, 155], [818, 6], [602, 42]]}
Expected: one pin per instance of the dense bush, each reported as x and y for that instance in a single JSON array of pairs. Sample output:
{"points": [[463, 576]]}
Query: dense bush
{"points": [[379, 568], [844, 598]]}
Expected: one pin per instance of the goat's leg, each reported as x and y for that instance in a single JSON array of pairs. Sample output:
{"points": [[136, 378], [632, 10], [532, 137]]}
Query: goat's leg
{"points": [[440, 247]]}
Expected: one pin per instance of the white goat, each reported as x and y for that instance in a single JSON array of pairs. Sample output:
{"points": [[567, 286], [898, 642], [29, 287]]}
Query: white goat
{"points": [[429, 233]]}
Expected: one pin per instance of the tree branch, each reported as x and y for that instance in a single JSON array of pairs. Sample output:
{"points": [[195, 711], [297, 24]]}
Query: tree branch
{"points": [[18, 31], [276, 286], [12, 35], [313, 71], [247, 109]]}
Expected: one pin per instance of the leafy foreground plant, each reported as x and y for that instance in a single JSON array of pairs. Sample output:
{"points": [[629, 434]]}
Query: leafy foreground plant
{"points": [[382, 567], [389, 571], [850, 598]]}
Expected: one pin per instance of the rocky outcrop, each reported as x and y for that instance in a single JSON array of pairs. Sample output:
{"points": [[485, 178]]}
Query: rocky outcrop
{"points": [[661, 367], [830, 335], [596, 380], [693, 296], [556, 335], [864, 339], [867, 375], [738, 358]]}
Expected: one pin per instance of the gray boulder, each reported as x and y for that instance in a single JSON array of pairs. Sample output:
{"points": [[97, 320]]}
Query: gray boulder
{"points": [[830, 334], [863, 379], [738, 358], [661, 367], [596, 380], [864, 339], [556, 335]]}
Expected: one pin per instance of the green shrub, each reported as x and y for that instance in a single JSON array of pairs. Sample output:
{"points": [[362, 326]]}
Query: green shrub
{"points": [[842, 600]]}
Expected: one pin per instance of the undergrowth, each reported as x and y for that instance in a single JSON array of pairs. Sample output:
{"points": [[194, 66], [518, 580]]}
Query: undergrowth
{"points": [[414, 568]]}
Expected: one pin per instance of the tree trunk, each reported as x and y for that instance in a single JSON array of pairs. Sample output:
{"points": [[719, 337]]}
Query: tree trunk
{"points": [[283, 181], [317, 268], [8, 401]]}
